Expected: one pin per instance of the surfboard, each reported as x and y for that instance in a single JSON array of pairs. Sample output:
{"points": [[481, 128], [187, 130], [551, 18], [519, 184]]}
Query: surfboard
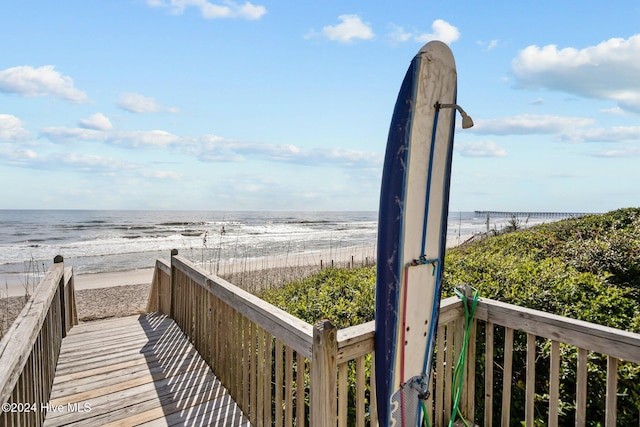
{"points": [[412, 225]]}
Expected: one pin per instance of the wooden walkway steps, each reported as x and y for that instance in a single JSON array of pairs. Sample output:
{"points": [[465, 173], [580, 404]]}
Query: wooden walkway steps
{"points": [[138, 370]]}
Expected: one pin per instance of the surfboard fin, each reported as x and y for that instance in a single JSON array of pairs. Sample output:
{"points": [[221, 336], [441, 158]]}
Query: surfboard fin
{"points": [[419, 383], [405, 402]]}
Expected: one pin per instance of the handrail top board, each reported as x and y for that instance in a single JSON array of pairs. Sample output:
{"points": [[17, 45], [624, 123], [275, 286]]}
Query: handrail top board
{"points": [[590, 336]]}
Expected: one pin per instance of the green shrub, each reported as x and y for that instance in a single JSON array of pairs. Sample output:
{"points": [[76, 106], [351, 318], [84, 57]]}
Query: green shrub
{"points": [[346, 297]]}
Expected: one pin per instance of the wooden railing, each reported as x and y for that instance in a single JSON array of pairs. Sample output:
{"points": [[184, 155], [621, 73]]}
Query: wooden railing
{"points": [[283, 371], [30, 348], [546, 336]]}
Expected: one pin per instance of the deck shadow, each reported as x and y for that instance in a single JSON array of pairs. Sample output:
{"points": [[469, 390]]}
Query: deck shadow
{"points": [[137, 371]]}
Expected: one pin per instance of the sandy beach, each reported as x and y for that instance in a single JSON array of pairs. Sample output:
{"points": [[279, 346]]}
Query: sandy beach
{"points": [[125, 293], [98, 296]]}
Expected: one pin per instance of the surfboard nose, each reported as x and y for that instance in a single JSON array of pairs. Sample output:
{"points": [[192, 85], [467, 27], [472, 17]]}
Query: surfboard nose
{"points": [[437, 50]]}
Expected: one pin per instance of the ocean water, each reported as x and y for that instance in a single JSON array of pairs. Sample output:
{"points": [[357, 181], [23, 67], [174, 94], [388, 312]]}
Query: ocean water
{"points": [[100, 241]]}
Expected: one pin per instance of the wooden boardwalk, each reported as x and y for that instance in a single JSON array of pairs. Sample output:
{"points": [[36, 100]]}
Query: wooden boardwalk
{"points": [[138, 370]]}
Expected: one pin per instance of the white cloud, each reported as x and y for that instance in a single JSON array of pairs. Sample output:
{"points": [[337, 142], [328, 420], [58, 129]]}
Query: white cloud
{"points": [[399, 34], [350, 28], [488, 45], [609, 70], [11, 128], [624, 153], [529, 124], [64, 134], [251, 12], [613, 134], [213, 148], [42, 81], [153, 138], [69, 161], [614, 110], [127, 139], [136, 103], [97, 121], [20, 157], [481, 149], [208, 10], [93, 163], [340, 156], [161, 174], [441, 30]]}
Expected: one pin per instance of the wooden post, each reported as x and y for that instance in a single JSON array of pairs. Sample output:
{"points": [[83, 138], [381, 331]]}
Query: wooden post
{"points": [[323, 375], [72, 303], [59, 260], [172, 282]]}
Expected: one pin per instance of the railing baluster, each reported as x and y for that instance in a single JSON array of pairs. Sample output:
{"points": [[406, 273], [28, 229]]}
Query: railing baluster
{"points": [[300, 393], [506, 377], [253, 366], [279, 379], [238, 350], [470, 373], [360, 391], [448, 369], [261, 379], [246, 362], [581, 388], [372, 387], [288, 393], [531, 380], [440, 365], [343, 394], [488, 375], [612, 391], [554, 383]]}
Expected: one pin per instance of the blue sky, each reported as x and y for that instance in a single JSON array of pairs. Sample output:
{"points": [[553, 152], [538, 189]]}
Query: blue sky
{"points": [[285, 105]]}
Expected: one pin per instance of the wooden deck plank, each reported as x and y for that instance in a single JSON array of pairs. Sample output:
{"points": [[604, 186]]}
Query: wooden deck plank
{"points": [[89, 362], [169, 344], [78, 337], [129, 403], [137, 370], [155, 371], [81, 346]]}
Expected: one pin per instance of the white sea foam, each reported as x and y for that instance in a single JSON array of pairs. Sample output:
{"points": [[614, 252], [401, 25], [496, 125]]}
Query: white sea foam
{"points": [[99, 241]]}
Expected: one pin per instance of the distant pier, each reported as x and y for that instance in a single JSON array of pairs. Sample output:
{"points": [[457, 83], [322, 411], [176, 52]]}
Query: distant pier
{"points": [[556, 215]]}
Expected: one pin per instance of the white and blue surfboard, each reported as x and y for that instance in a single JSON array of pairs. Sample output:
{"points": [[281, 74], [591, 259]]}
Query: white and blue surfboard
{"points": [[412, 225]]}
